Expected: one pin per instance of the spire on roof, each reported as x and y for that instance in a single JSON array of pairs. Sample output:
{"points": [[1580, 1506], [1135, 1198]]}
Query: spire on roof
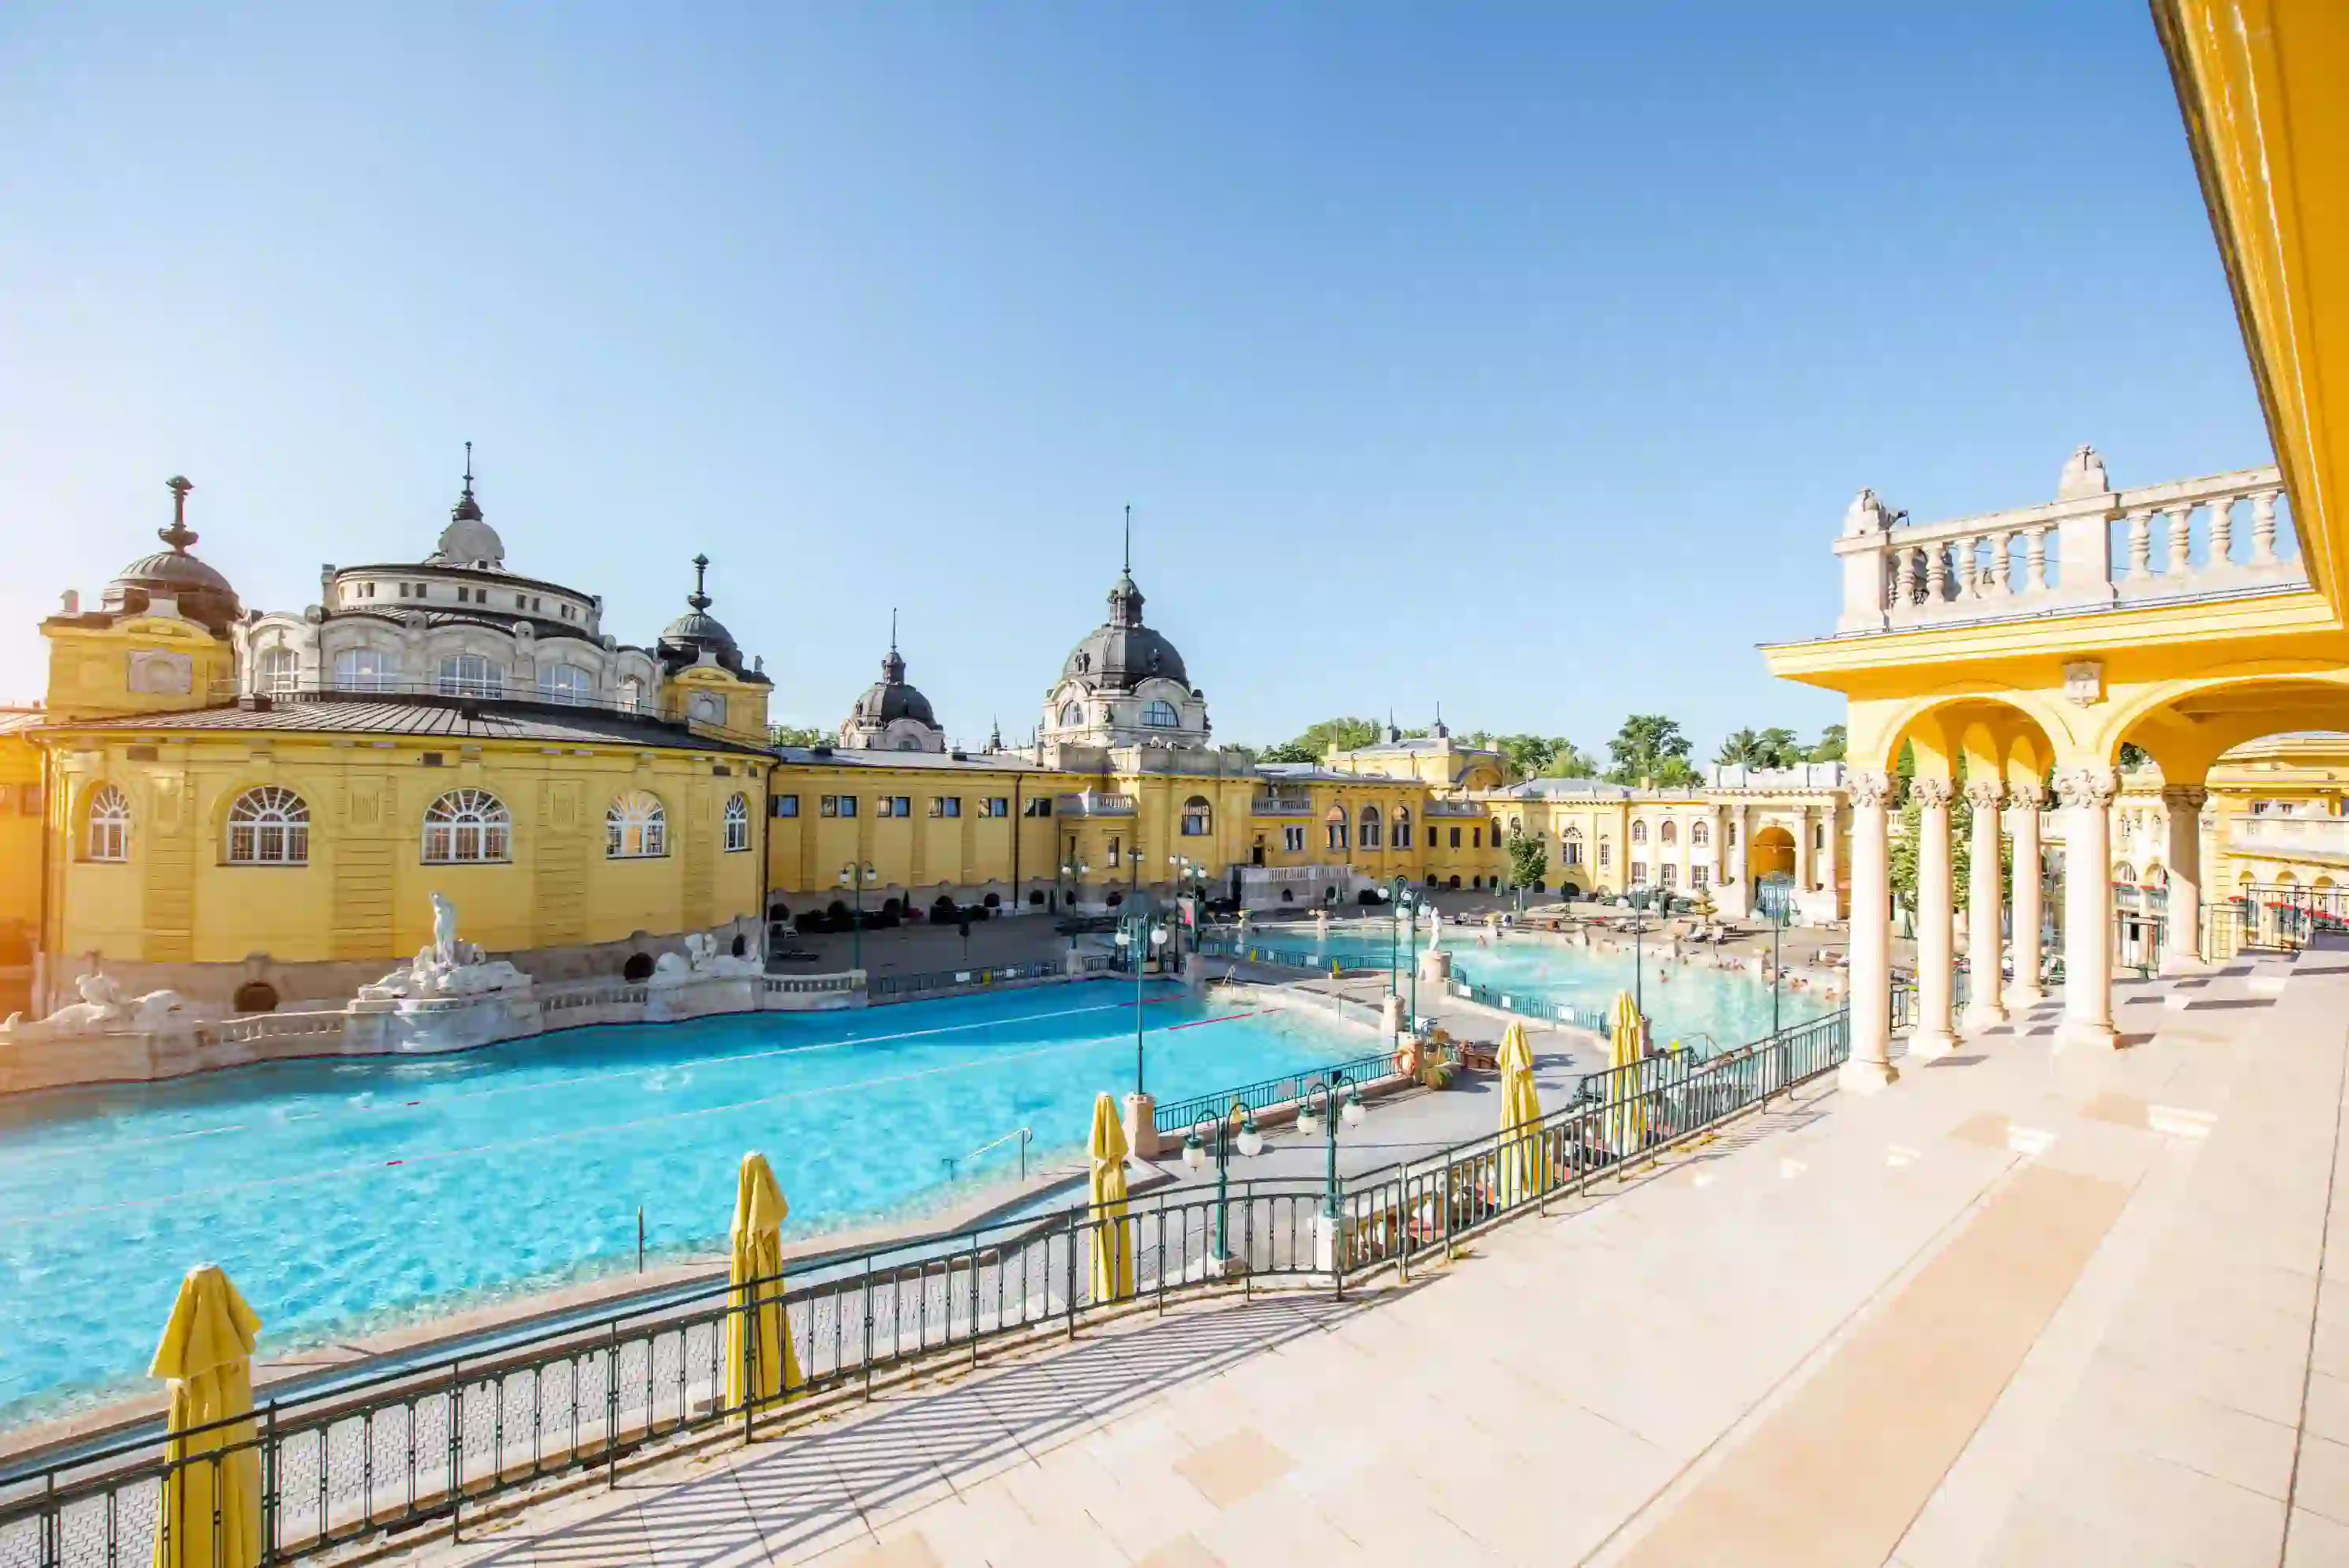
{"points": [[179, 536], [467, 509], [699, 597], [1440, 732]]}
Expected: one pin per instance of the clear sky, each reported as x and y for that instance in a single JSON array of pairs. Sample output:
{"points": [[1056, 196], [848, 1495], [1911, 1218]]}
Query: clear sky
{"points": [[1523, 357]]}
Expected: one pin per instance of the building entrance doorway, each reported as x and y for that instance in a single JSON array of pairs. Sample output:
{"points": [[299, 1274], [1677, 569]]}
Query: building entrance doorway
{"points": [[1771, 854]]}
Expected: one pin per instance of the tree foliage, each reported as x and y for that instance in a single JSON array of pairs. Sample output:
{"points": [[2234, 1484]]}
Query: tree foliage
{"points": [[1529, 858], [1832, 744], [1649, 745], [800, 735]]}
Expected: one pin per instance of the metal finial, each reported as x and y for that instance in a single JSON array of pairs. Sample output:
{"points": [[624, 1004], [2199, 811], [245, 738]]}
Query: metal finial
{"points": [[178, 536], [1129, 538], [893, 628], [699, 597], [469, 468]]}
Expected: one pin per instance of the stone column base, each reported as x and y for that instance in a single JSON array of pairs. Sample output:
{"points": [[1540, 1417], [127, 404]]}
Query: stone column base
{"points": [[1857, 1076], [1980, 1018], [2184, 964], [2091, 1036], [2020, 997], [1932, 1043], [1142, 1125], [1333, 1242]]}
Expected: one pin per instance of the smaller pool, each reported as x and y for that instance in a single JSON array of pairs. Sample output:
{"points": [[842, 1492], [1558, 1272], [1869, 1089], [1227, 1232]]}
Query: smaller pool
{"points": [[1683, 1001]]}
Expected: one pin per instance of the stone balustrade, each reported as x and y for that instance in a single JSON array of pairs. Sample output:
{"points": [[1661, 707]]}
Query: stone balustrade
{"points": [[1281, 806], [1091, 804], [2314, 836], [2092, 548]]}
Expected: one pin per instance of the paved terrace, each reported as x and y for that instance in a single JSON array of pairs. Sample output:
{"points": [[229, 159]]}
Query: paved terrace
{"points": [[2026, 1306]]}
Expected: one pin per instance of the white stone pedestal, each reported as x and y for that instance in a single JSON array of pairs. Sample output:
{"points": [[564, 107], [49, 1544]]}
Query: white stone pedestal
{"points": [[1435, 966], [1142, 1125], [423, 1025], [1391, 1018], [1333, 1242]]}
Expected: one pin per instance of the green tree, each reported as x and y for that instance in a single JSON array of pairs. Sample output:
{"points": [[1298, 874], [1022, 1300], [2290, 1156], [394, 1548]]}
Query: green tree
{"points": [[1831, 746], [1961, 859], [1529, 858], [1570, 761], [1743, 748], [800, 735], [1642, 747], [1345, 734], [1537, 755], [2135, 756], [1779, 747]]}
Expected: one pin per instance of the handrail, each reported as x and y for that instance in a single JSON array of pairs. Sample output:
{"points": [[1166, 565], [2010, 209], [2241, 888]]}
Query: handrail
{"points": [[1177, 1115], [474, 694], [1026, 1135]]}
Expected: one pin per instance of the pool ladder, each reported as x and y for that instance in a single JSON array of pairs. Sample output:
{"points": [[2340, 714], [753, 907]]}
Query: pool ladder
{"points": [[1026, 1135]]}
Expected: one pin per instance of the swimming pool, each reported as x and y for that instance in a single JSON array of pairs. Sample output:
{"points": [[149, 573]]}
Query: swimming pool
{"points": [[1683, 1001], [347, 1195]]}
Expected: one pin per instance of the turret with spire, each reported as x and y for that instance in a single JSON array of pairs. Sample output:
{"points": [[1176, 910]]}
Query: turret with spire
{"points": [[467, 540], [203, 594], [892, 716]]}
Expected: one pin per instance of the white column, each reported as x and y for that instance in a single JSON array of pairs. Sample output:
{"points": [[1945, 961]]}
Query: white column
{"points": [[2182, 950], [2026, 990], [1802, 850], [1870, 1067], [1936, 1032], [2087, 795], [1831, 815], [1984, 1007]]}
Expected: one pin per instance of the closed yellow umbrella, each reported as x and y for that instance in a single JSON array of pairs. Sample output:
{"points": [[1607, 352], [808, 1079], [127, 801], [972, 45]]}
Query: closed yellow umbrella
{"points": [[1521, 1176], [768, 1367], [1626, 1113], [211, 1513], [1113, 1232]]}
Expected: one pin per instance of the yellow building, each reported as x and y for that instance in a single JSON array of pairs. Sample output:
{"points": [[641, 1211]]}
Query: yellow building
{"points": [[2021, 645]]}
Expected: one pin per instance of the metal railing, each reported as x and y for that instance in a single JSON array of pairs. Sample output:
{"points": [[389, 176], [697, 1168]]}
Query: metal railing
{"points": [[1269, 957], [1024, 1135], [1181, 1115], [475, 695], [976, 977], [2271, 917], [1592, 1018], [426, 1442]]}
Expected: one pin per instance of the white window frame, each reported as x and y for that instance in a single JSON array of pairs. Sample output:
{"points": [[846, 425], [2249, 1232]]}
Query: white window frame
{"points": [[471, 674], [738, 824], [366, 669], [268, 825], [107, 838], [635, 826], [468, 827], [565, 684], [277, 669]]}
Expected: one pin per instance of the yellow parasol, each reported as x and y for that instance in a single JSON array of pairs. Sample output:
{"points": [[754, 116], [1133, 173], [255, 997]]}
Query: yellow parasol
{"points": [[212, 1499], [1522, 1172], [756, 1267], [1113, 1232], [1627, 1111]]}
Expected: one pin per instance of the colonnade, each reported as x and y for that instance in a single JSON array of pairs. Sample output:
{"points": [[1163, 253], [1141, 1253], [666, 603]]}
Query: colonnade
{"points": [[2085, 795]]}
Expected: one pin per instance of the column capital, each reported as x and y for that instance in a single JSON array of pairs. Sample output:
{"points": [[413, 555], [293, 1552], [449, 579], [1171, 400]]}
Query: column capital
{"points": [[2087, 786], [2027, 796], [1871, 788], [1984, 794], [1932, 792], [2185, 797]]}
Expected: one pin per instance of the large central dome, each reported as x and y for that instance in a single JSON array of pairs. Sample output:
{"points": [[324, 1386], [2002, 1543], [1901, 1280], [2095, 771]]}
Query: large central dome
{"points": [[1122, 653]]}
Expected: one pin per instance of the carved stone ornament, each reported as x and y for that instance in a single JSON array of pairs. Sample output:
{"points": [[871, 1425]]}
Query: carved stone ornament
{"points": [[162, 674], [1932, 792], [2079, 786], [1986, 794], [2084, 682], [2185, 797], [2031, 796], [1872, 789]]}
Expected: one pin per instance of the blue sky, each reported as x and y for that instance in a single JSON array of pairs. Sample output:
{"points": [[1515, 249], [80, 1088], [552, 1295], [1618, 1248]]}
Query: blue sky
{"points": [[1522, 357]]}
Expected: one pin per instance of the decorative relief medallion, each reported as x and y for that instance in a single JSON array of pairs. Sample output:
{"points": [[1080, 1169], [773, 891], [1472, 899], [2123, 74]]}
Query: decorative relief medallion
{"points": [[162, 674]]}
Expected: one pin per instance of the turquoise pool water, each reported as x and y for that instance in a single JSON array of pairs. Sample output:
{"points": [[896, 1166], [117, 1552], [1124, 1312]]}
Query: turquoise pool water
{"points": [[1683, 1001], [346, 1195]]}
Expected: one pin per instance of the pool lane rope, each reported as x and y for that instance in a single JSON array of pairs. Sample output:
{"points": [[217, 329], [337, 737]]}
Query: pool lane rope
{"points": [[433, 1156]]}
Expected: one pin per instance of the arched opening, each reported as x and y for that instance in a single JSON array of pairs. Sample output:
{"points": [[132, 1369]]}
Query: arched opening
{"points": [[1035, 898], [992, 900], [255, 997], [1454, 882], [1288, 895], [891, 908], [1771, 853], [739, 946], [638, 967], [1115, 898], [944, 908]]}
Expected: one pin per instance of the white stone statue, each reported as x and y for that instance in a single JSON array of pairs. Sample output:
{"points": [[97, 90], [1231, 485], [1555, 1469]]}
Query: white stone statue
{"points": [[1434, 929], [104, 1008], [444, 930]]}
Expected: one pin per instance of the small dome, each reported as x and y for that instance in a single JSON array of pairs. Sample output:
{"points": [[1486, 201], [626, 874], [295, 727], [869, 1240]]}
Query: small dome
{"points": [[203, 594], [468, 539], [683, 640]]}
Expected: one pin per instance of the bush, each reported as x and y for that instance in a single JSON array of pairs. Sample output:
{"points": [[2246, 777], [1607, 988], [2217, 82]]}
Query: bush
{"points": [[1436, 1075]]}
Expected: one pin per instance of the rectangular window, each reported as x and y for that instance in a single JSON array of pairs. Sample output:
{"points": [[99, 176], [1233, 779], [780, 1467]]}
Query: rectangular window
{"points": [[1476, 838], [946, 805], [1672, 875], [1606, 854], [784, 806], [896, 806], [995, 806], [403, 590], [1337, 835], [1455, 838], [1292, 839], [1041, 806], [1639, 873], [838, 806], [1570, 851], [1402, 835], [1700, 878]]}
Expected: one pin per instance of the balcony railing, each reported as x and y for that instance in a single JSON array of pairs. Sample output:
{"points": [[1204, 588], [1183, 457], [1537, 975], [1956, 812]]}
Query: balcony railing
{"points": [[2291, 835], [2093, 549], [1281, 806], [1092, 805]]}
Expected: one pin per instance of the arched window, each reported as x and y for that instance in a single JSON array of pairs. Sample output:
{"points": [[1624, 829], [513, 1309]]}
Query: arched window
{"points": [[1401, 826], [1335, 822], [363, 669], [1699, 835], [1369, 833], [632, 693], [1516, 826], [269, 827], [467, 825], [1671, 833], [1072, 714], [1569, 847], [564, 683], [110, 824], [1160, 715], [737, 825], [909, 743], [636, 828], [1198, 818], [1639, 832], [471, 674], [276, 670]]}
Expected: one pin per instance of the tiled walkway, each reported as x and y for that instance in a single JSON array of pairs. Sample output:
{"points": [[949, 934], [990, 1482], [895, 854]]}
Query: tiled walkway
{"points": [[2028, 1306]]}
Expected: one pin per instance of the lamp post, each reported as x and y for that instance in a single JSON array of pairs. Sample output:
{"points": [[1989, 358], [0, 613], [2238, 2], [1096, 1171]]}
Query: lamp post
{"points": [[1138, 935], [1234, 1131], [1074, 875], [1775, 887], [1639, 959], [1307, 1122], [854, 877], [1400, 895]]}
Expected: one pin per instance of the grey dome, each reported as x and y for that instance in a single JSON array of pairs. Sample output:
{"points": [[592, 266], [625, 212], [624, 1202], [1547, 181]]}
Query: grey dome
{"points": [[203, 594], [684, 640], [890, 698], [1122, 653]]}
